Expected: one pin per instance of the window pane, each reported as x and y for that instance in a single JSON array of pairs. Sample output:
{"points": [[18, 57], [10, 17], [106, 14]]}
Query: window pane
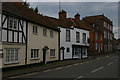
{"points": [[68, 35], [84, 38], [10, 23], [15, 24]]}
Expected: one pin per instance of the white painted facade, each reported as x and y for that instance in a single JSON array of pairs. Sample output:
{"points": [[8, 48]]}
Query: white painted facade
{"points": [[63, 43]]}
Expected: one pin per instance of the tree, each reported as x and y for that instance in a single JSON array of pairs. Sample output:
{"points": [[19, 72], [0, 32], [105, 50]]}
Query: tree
{"points": [[36, 10], [26, 4]]}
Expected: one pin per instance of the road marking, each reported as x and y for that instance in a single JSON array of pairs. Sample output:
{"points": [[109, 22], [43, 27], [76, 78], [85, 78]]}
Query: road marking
{"points": [[110, 63], [59, 67], [78, 77], [96, 69]]}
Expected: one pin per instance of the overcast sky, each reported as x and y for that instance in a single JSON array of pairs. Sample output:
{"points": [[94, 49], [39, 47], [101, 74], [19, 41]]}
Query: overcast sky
{"points": [[109, 9]]}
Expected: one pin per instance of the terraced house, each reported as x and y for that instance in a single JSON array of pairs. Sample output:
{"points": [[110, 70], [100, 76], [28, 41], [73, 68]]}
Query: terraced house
{"points": [[101, 34], [27, 37], [74, 36]]}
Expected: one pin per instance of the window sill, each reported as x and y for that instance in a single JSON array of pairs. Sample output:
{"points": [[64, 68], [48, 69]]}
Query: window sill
{"points": [[35, 33], [11, 62], [34, 58], [52, 57]]}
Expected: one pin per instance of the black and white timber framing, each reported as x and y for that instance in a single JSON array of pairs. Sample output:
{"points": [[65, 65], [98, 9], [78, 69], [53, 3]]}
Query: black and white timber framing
{"points": [[13, 35]]}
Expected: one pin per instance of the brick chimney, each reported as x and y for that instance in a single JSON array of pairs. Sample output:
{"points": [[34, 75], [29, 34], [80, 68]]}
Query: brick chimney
{"points": [[77, 16], [62, 15]]}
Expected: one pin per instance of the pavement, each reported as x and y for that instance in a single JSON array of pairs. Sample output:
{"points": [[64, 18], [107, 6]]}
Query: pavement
{"points": [[105, 66]]}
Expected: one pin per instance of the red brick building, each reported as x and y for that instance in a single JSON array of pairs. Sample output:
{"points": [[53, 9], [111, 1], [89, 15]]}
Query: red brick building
{"points": [[101, 34]]}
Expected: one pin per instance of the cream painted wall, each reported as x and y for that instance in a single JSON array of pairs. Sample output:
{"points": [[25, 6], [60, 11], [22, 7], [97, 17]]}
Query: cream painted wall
{"points": [[38, 41], [22, 52]]}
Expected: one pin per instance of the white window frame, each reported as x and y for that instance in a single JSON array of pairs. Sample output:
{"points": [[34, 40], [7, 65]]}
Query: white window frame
{"points": [[78, 37], [84, 38], [52, 51], [67, 35], [44, 32], [10, 23], [10, 57], [35, 53], [51, 33], [35, 29], [13, 24]]}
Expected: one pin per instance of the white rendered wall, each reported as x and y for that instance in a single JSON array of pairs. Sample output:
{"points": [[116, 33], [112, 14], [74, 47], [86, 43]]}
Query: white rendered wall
{"points": [[72, 40]]}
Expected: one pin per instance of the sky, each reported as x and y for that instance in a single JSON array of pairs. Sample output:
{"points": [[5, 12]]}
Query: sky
{"points": [[109, 9]]}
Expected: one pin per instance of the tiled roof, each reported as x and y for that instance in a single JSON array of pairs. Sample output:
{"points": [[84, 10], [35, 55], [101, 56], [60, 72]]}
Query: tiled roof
{"points": [[50, 22], [68, 22], [25, 13], [99, 17]]}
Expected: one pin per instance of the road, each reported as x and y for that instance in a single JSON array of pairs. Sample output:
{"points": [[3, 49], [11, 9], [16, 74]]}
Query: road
{"points": [[102, 67]]}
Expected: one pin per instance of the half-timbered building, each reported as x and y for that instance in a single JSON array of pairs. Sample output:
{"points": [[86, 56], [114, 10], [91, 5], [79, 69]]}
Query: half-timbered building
{"points": [[14, 38], [27, 37]]}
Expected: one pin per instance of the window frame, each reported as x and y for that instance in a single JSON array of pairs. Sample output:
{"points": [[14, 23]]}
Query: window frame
{"points": [[9, 57], [84, 38], [67, 49], [44, 32], [13, 24], [68, 36], [52, 50], [35, 53], [77, 37], [35, 29], [51, 33]]}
